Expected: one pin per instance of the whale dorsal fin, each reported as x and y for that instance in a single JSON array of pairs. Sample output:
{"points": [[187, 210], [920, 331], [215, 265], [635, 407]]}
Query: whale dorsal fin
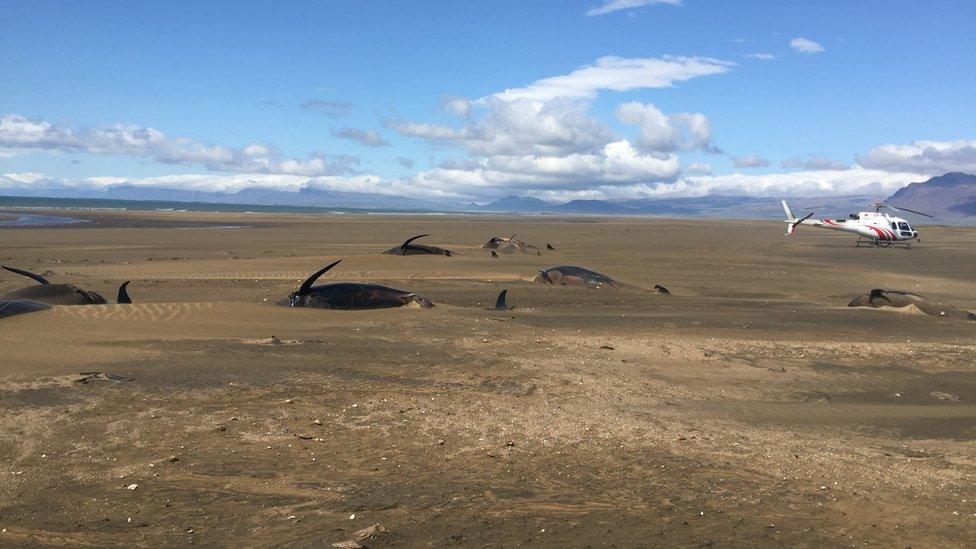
{"points": [[500, 304], [123, 294], [307, 285], [28, 274]]}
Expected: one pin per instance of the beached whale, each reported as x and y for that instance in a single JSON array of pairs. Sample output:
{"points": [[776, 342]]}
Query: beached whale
{"points": [[878, 298], [571, 275], [19, 307], [351, 295], [407, 248], [510, 245], [52, 294]]}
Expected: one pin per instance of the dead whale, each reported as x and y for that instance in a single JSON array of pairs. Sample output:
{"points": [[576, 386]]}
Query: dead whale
{"points": [[52, 294], [351, 295], [510, 245], [571, 275], [878, 298], [500, 304], [19, 307], [407, 248], [123, 296]]}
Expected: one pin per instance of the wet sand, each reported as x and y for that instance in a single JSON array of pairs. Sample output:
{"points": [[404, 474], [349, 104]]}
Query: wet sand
{"points": [[750, 407]]}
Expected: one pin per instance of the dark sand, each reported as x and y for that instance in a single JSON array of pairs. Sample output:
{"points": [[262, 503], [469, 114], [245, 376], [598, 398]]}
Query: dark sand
{"points": [[750, 407]]}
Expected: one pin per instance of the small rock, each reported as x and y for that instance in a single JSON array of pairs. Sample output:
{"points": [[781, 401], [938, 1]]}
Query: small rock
{"points": [[946, 397], [132, 487], [607, 347], [370, 532], [348, 544], [317, 422], [173, 459], [289, 400]]}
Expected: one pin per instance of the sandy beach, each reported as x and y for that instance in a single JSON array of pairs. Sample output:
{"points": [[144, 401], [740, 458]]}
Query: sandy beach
{"points": [[749, 407]]}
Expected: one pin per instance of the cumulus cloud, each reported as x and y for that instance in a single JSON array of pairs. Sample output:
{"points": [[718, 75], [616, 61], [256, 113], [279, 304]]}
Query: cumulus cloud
{"points": [[369, 138], [928, 157], [23, 133], [814, 162], [618, 163], [761, 56], [518, 127], [327, 108], [698, 168], [660, 132], [618, 74], [749, 161], [610, 6], [805, 45]]}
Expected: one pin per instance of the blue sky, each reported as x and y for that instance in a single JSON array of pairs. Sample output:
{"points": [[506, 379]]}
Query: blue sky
{"points": [[406, 98]]}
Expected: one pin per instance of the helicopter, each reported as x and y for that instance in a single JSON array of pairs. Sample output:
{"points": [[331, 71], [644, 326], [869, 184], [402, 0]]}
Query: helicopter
{"points": [[877, 229]]}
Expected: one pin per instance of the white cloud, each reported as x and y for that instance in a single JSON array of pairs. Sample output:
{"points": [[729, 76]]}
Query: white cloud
{"points": [[814, 162], [327, 108], [619, 173], [660, 132], [457, 106], [369, 138], [698, 168], [610, 6], [618, 74], [805, 45], [130, 140], [853, 181], [761, 56], [928, 157], [749, 161], [519, 127]]}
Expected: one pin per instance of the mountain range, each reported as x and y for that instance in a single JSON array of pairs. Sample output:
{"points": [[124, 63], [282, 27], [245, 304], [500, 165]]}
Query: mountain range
{"points": [[951, 197]]}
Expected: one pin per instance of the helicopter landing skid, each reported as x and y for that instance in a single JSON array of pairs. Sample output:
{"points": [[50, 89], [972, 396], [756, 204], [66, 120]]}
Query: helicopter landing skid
{"points": [[876, 243]]}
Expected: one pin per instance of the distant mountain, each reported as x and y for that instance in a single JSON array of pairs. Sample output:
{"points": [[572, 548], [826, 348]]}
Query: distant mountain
{"points": [[517, 204], [949, 195], [600, 207], [306, 197]]}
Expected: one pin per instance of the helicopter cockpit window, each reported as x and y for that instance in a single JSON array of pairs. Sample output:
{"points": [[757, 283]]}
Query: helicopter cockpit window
{"points": [[903, 226], [894, 225]]}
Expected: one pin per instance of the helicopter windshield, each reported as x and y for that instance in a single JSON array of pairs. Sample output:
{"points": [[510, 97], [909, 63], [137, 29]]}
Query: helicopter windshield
{"points": [[904, 226]]}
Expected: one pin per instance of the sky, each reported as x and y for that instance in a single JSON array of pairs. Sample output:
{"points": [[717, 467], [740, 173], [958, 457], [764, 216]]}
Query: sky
{"points": [[465, 101]]}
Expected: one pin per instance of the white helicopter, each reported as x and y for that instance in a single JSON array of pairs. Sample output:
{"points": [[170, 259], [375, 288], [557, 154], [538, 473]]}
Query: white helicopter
{"points": [[877, 228]]}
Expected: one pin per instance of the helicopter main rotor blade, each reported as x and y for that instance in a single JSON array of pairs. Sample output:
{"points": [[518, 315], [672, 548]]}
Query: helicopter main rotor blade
{"points": [[900, 209]]}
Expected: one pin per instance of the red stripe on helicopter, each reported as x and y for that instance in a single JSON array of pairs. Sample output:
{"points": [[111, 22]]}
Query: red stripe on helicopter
{"points": [[881, 234]]}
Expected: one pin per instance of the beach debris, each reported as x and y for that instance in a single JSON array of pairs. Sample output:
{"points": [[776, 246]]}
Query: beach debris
{"points": [[101, 376]]}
